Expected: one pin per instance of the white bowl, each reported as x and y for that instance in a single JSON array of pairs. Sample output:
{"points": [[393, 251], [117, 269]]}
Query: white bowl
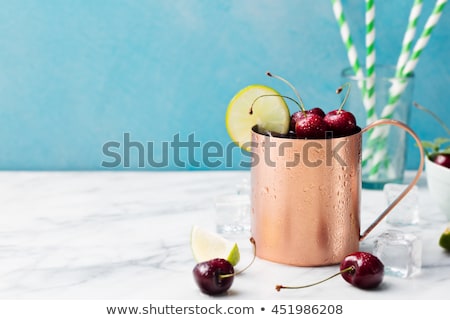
{"points": [[438, 180]]}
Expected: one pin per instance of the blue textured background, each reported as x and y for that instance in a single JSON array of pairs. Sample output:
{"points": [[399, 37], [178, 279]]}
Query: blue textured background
{"points": [[77, 74]]}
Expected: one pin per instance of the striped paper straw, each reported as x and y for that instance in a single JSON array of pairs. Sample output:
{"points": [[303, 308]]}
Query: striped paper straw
{"points": [[349, 45], [346, 37], [424, 37], [369, 93], [408, 38], [370, 61], [403, 58], [398, 87]]}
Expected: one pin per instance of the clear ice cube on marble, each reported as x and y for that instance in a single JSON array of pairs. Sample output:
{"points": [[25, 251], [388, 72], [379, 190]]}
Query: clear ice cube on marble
{"points": [[406, 212], [232, 213], [400, 252]]}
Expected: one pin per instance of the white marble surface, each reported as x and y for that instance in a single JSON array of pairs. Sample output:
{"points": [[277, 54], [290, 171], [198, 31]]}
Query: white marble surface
{"points": [[125, 235]]}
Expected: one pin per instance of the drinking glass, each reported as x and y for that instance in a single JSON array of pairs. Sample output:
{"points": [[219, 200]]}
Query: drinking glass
{"points": [[384, 149]]}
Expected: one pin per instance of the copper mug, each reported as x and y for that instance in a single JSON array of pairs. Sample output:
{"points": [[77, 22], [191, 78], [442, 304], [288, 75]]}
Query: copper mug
{"points": [[306, 196]]}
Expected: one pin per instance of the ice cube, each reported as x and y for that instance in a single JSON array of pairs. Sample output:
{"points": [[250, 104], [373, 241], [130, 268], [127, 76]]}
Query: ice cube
{"points": [[400, 252], [232, 213], [406, 212]]}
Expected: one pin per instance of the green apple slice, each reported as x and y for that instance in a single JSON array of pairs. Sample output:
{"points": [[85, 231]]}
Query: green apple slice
{"points": [[269, 111], [207, 245]]}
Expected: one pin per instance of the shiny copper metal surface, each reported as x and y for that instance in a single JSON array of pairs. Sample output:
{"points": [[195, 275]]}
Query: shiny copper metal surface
{"points": [[306, 198]]}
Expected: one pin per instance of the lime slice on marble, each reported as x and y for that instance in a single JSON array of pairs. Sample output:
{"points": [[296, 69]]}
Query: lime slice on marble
{"points": [[207, 245], [444, 240], [269, 111]]}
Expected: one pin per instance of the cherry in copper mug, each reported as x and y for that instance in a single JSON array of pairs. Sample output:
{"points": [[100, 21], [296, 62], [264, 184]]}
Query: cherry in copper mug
{"points": [[306, 196]]}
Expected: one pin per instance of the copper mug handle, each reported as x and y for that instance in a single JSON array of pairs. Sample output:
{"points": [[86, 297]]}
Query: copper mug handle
{"points": [[411, 184]]}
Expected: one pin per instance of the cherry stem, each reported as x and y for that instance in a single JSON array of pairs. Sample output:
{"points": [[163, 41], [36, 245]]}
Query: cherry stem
{"points": [[420, 107], [301, 104], [348, 269], [248, 266], [339, 90], [272, 95]]}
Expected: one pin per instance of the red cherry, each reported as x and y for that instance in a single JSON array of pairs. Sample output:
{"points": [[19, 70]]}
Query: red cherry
{"points": [[364, 270], [317, 111], [311, 126], [340, 122], [299, 114], [442, 159], [361, 269], [294, 117], [306, 124], [214, 277]]}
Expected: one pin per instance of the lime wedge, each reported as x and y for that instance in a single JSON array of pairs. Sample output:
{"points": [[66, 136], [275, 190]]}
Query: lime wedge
{"points": [[270, 113], [444, 240], [207, 245]]}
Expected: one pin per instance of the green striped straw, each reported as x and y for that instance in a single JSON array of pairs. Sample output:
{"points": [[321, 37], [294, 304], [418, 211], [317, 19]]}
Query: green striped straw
{"points": [[369, 93], [398, 87], [408, 37], [370, 60], [348, 42], [402, 60], [424, 37], [346, 37], [353, 56]]}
